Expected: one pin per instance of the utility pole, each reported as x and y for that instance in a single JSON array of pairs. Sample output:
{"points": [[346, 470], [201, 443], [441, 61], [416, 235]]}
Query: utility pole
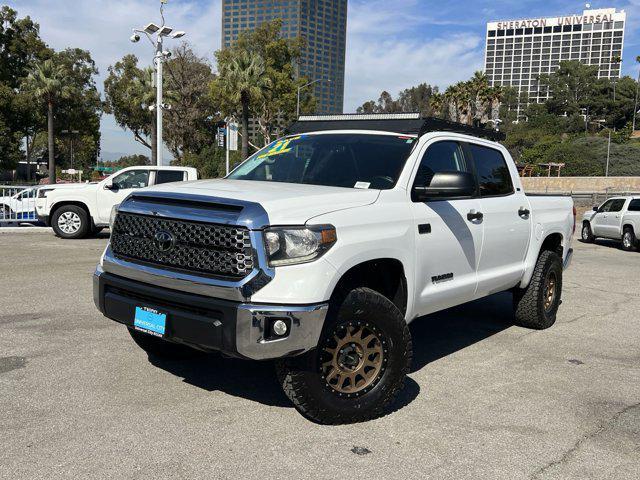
{"points": [[160, 55]]}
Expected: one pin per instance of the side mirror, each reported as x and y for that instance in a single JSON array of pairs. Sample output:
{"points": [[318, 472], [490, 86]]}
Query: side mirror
{"points": [[446, 185], [108, 185], [595, 208]]}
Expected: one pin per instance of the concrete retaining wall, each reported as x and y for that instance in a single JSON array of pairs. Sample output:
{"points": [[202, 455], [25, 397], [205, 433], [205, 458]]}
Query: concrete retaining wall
{"points": [[581, 184]]}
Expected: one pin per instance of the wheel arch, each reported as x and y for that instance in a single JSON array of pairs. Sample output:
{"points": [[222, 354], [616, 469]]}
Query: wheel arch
{"points": [[553, 241], [63, 203], [387, 276]]}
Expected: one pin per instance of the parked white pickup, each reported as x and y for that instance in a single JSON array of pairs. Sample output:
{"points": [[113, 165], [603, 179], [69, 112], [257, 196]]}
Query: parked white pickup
{"points": [[322, 247], [617, 218], [74, 210]]}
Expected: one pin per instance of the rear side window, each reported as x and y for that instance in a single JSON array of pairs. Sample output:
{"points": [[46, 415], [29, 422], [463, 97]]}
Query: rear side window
{"points": [[617, 204], [441, 157], [168, 176], [494, 177], [634, 205]]}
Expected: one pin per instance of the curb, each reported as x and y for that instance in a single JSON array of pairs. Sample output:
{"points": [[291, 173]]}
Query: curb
{"points": [[25, 230]]}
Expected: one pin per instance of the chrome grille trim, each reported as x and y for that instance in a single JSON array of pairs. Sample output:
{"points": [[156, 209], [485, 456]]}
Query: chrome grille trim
{"points": [[210, 249], [250, 215]]}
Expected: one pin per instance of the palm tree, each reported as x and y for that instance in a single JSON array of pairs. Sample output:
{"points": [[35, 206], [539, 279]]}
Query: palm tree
{"points": [[244, 80], [436, 102], [48, 83]]}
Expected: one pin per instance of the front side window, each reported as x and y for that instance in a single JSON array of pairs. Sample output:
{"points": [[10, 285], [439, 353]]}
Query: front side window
{"points": [[606, 206], [444, 156], [617, 204], [336, 160], [132, 179], [494, 177]]}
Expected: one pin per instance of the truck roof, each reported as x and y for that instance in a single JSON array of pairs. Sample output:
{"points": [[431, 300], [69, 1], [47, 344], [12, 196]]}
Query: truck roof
{"points": [[403, 123]]}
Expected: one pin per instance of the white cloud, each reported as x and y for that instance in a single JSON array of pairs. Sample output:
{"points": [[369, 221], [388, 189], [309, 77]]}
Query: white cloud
{"points": [[381, 53], [387, 49]]}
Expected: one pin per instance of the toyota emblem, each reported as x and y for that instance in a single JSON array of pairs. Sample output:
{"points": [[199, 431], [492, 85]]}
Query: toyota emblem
{"points": [[164, 241]]}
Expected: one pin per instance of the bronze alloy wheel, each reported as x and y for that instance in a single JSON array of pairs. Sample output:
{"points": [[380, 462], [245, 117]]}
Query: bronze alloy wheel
{"points": [[550, 291], [353, 359]]}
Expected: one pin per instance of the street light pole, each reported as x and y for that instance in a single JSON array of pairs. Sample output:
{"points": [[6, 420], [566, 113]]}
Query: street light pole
{"points": [[160, 32], [306, 85], [159, 105]]}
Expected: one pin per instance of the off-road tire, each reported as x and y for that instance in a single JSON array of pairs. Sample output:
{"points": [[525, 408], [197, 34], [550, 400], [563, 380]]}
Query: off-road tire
{"points": [[161, 349], [302, 380], [632, 243], [82, 230], [529, 302], [587, 233]]}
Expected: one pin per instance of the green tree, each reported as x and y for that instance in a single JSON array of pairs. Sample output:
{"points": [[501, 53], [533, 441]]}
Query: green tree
{"points": [[276, 103], [241, 82], [48, 82], [20, 48], [82, 109], [191, 123], [129, 93], [571, 88]]}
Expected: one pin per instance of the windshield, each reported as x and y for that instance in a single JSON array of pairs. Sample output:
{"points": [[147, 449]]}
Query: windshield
{"points": [[336, 160]]}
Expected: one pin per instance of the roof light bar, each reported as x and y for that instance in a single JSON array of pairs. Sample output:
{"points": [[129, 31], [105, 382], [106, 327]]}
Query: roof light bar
{"points": [[357, 116]]}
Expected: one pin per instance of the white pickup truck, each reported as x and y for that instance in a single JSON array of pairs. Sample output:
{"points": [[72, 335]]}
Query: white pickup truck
{"points": [[321, 248], [75, 210], [618, 218]]}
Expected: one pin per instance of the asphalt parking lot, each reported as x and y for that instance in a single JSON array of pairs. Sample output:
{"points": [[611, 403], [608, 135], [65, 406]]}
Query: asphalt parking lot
{"points": [[484, 399]]}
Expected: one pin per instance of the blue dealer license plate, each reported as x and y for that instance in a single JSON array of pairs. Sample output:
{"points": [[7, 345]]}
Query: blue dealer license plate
{"points": [[150, 321]]}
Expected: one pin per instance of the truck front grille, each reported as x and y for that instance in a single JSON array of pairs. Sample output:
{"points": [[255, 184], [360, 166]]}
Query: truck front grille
{"points": [[210, 249]]}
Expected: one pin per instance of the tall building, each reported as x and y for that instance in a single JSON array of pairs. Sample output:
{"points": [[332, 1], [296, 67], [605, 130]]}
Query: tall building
{"points": [[517, 51], [323, 23]]}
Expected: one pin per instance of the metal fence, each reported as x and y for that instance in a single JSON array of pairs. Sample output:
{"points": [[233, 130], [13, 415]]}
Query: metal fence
{"points": [[17, 204]]}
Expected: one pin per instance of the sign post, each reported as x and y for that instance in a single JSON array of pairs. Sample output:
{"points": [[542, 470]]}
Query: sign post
{"points": [[231, 140]]}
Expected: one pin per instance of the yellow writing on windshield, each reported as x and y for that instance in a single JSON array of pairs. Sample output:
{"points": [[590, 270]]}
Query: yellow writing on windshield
{"points": [[278, 148]]}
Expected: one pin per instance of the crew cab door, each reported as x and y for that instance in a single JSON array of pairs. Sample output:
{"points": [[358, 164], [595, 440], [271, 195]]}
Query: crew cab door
{"points": [[613, 219], [448, 237], [122, 184], [604, 222], [506, 219]]}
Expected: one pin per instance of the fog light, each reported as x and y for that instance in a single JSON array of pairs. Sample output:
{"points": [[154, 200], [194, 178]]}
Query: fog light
{"points": [[279, 328]]}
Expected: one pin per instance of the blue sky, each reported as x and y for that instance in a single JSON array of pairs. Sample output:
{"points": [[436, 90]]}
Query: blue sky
{"points": [[391, 44]]}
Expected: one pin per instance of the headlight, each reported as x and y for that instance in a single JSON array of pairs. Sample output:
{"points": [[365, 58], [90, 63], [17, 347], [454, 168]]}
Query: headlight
{"points": [[292, 245], [42, 192], [112, 217]]}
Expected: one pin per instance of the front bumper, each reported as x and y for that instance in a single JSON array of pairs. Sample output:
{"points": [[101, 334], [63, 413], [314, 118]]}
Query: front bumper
{"points": [[205, 323]]}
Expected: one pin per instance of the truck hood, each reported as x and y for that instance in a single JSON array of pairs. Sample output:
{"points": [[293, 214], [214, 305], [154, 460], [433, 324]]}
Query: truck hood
{"points": [[285, 203]]}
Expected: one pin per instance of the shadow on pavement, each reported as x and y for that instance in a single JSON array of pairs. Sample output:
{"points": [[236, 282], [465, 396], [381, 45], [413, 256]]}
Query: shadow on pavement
{"points": [[443, 333], [604, 242], [434, 336], [241, 378]]}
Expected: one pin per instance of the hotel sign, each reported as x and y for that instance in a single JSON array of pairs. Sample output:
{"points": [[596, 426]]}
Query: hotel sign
{"points": [[543, 22]]}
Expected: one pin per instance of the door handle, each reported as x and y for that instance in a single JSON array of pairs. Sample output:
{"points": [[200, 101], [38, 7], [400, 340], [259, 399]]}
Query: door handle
{"points": [[473, 215], [523, 212]]}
